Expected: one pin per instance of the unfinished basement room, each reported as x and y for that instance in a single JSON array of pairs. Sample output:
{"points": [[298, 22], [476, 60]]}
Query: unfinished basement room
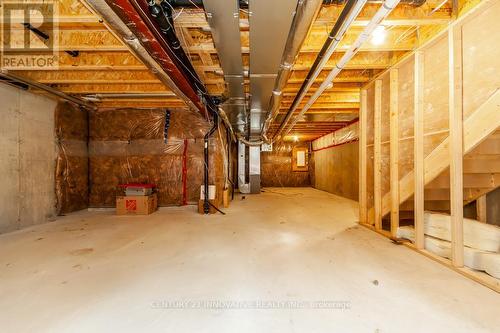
{"points": [[250, 166]]}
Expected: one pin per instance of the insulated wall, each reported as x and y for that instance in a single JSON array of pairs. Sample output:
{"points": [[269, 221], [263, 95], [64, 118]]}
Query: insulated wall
{"points": [[276, 167], [72, 164], [136, 146], [27, 159]]}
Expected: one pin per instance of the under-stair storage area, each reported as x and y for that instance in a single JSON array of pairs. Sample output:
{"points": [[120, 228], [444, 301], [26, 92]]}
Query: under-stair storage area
{"points": [[429, 146]]}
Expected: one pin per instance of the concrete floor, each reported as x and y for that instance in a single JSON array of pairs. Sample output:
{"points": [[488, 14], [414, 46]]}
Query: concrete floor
{"points": [[173, 271]]}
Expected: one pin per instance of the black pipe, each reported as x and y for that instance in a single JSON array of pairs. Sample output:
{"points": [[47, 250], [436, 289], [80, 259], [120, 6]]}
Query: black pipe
{"points": [[162, 14], [206, 203]]}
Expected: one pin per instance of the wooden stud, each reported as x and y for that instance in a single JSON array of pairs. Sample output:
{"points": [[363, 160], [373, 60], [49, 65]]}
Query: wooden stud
{"points": [[418, 162], [362, 157], [456, 144], [477, 127], [481, 209], [394, 151], [377, 162]]}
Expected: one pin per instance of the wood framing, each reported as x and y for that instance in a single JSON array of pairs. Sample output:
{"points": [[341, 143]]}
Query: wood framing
{"points": [[456, 144], [377, 161], [363, 198], [394, 150], [479, 277], [445, 123], [481, 209], [418, 155]]}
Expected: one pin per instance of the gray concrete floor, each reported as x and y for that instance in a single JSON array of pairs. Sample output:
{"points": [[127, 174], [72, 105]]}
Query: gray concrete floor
{"points": [[288, 260]]}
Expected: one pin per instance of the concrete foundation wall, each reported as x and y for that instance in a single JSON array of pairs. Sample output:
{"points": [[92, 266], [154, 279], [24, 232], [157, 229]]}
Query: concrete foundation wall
{"points": [[27, 158]]}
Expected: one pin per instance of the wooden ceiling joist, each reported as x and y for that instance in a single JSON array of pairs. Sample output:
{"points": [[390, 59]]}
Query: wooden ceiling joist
{"points": [[105, 65]]}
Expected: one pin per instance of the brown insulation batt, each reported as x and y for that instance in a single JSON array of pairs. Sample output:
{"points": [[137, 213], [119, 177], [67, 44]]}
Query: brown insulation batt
{"points": [[128, 146], [276, 168], [71, 187]]}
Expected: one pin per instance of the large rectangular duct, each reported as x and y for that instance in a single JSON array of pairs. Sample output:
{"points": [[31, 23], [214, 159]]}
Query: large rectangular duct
{"points": [[270, 23], [224, 20]]}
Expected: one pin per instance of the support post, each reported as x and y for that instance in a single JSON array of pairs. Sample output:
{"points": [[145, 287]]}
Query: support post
{"points": [[377, 162], [456, 144], [418, 162], [481, 209], [362, 158], [394, 150]]}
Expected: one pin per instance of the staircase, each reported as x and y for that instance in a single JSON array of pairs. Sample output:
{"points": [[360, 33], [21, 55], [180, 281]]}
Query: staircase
{"points": [[481, 164]]}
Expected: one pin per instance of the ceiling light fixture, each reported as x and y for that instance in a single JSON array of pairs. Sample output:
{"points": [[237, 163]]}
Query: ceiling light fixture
{"points": [[379, 35]]}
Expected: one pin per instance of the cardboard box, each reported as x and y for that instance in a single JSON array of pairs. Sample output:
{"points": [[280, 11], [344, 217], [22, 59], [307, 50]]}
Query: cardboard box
{"points": [[212, 209], [136, 204]]}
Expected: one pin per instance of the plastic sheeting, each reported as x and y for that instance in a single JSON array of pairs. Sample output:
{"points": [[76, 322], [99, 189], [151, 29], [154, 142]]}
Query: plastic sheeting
{"points": [[276, 168], [71, 178], [347, 134], [128, 145]]}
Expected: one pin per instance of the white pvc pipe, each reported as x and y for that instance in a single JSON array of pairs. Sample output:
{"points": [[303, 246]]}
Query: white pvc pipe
{"points": [[379, 16]]}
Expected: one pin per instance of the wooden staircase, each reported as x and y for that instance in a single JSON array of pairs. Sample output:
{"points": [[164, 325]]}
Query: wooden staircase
{"points": [[481, 167], [481, 176]]}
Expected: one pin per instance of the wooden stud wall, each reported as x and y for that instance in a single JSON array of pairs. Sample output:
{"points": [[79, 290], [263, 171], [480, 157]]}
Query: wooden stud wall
{"points": [[439, 109]]}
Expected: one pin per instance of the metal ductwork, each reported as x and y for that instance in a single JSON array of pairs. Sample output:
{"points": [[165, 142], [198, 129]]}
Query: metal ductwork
{"points": [[349, 13], [384, 10], [270, 23], [224, 21], [304, 16]]}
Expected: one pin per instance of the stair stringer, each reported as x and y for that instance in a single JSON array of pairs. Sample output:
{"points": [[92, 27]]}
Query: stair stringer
{"points": [[477, 127]]}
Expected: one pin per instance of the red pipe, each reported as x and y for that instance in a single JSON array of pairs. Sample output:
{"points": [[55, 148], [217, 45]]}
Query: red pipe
{"points": [[153, 42]]}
